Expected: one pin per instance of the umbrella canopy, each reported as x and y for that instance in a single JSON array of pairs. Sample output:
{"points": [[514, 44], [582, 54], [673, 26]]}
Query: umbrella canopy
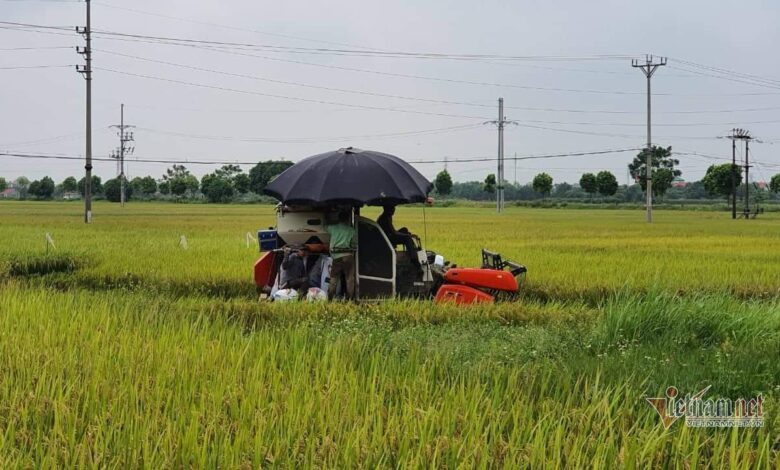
{"points": [[350, 176]]}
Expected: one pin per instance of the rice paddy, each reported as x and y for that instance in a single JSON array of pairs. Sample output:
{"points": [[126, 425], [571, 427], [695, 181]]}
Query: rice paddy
{"points": [[122, 348]]}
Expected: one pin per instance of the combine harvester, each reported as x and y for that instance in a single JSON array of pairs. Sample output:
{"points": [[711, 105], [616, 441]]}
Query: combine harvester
{"points": [[315, 190]]}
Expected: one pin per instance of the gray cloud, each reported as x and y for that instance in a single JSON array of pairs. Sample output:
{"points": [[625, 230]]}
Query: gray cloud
{"points": [[45, 103]]}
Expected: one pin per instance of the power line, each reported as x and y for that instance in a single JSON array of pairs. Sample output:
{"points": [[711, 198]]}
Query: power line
{"points": [[366, 107], [527, 157], [561, 110], [350, 52], [292, 98], [22, 67], [301, 38], [731, 79], [308, 140], [45, 140], [409, 98], [11, 49], [38, 26], [233, 51], [728, 72], [743, 78], [390, 74], [235, 28], [284, 82], [11, 28], [254, 162], [43, 1], [221, 45]]}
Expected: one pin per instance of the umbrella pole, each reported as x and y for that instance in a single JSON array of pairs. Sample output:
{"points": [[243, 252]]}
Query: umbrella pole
{"points": [[425, 229]]}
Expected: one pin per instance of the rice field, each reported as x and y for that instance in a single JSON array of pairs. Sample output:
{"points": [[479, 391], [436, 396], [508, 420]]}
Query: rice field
{"points": [[121, 348]]}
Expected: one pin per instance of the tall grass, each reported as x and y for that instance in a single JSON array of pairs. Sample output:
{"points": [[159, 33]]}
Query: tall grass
{"points": [[122, 349], [122, 379]]}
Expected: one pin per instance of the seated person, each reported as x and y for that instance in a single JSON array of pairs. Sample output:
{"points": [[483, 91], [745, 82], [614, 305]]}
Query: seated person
{"points": [[293, 275], [314, 265], [397, 237]]}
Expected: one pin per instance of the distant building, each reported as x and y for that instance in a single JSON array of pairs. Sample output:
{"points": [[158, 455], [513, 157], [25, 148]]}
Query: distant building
{"points": [[9, 193], [679, 182], [761, 184], [71, 196]]}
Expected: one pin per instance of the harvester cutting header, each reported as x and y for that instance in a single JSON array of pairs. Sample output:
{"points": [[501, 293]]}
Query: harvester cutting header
{"points": [[322, 247]]}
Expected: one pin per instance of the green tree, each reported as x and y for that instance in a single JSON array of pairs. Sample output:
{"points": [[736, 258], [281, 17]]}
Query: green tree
{"points": [[164, 187], [3, 184], [228, 172], [97, 185], [774, 183], [145, 186], [22, 185], [717, 180], [662, 181], [112, 189], [489, 186], [217, 188], [180, 180], [34, 188], [588, 183], [542, 184], [443, 183], [235, 176], [606, 183], [69, 185], [184, 185], [262, 173], [241, 183], [662, 165], [45, 188]]}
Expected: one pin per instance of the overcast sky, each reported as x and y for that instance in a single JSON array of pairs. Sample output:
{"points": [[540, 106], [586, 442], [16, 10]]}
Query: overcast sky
{"points": [[553, 101]]}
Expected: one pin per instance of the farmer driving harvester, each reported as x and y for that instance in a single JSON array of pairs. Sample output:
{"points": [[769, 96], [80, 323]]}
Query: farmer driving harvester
{"points": [[319, 216], [397, 237]]}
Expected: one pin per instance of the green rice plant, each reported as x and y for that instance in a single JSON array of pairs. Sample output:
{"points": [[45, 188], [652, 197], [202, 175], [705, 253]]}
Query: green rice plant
{"points": [[124, 349], [583, 255], [39, 265]]}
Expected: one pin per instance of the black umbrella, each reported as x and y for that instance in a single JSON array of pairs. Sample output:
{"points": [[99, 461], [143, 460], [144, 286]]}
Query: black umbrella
{"points": [[350, 176]]}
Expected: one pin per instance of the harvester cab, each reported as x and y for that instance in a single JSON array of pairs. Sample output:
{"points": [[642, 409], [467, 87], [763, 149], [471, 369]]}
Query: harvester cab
{"points": [[383, 270]]}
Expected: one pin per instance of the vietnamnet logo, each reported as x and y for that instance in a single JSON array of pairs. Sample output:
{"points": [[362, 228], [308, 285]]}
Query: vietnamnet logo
{"points": [[708, 413]]}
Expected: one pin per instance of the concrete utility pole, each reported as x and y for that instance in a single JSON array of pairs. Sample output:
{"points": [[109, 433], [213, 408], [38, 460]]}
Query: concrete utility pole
{"points": [[86, 71], [733, 175], [500, 122], [747, 179], [500, 185], [649, 68], [122, 150], [739, 134]]}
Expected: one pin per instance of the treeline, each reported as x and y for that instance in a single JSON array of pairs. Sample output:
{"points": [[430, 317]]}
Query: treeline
{"points": [[719, 183], [231, 184], [227, 184]]}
